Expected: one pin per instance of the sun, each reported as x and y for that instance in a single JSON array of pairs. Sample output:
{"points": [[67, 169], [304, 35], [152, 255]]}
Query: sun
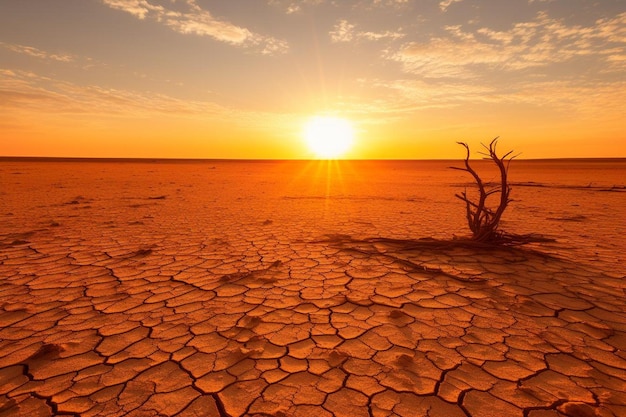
{"points": [[328, 137]]}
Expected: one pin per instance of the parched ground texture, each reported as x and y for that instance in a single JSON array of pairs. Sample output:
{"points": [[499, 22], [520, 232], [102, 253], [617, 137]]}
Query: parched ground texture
{"points": [[199, 290]]}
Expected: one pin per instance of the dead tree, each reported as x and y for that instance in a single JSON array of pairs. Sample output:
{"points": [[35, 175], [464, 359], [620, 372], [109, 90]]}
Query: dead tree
{"points": [[483, 220]]}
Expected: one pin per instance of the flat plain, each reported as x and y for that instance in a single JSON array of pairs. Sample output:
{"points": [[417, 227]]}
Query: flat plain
{"points": [[308, 288]]}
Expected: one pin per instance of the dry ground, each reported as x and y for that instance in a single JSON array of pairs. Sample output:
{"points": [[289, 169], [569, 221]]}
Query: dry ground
{"points": [[140, 290]]}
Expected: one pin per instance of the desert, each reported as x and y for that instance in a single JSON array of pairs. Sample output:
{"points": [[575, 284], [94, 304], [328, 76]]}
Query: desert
{"points": [[307, 288]]}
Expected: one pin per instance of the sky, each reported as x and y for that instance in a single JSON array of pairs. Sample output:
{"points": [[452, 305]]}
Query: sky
{"points": [[241, 78]]}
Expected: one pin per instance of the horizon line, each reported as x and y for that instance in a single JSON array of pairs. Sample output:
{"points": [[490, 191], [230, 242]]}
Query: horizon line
{"points": [[176, 159]]}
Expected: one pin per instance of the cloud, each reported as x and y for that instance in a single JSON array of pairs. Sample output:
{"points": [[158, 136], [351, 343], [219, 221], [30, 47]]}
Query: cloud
{"points": [[535, 44], [389, 3], [42, 110], [138, 8], [29, 92], [342, 32], [345, 31], [37, 53], [291, 6], [407, 95], [299, 6], [197, 21], [443, 5], [26, 97], [559, 101], [597, 101]]}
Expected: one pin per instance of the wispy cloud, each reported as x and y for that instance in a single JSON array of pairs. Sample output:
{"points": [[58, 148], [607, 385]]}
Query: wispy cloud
{"points": [[28, 91], [39, 110], [37, 53], [444, 4], [195, 20], [292, 6], [300, 6], [138, 8], [388, 3], [404, 97], [25, 95], [345, 31], [537, 43], [602, 100]]}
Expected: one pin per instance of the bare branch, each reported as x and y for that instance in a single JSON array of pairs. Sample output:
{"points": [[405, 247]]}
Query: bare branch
{"points": [[482, 220]]}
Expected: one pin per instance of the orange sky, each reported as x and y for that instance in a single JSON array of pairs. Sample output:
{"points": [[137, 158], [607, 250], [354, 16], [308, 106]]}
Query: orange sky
{"points": [[204, 79]]}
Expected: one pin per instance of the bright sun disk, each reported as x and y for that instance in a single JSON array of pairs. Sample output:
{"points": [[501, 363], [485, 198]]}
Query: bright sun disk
{"points": [[328, 137]]}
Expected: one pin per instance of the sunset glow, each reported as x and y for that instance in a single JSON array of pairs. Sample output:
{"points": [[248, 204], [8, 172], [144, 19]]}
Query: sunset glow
{"points": [[203, 79], [325, 208]]}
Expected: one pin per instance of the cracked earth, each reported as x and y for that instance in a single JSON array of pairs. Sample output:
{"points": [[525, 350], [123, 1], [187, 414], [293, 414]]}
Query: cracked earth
{"points": [[158, 290]]}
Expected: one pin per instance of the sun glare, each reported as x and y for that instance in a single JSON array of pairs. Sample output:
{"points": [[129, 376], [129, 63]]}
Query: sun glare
{"points": [[328, 137]]}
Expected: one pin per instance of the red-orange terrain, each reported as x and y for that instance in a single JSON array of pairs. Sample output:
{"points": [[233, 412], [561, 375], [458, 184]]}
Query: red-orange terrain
{"points": [[233, 288]]}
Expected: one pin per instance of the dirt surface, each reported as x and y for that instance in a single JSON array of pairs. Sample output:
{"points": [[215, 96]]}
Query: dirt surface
{"points": [[298, 290]]}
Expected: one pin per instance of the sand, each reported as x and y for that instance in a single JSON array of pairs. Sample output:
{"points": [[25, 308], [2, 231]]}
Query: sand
{"points": [[306, 289]]}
